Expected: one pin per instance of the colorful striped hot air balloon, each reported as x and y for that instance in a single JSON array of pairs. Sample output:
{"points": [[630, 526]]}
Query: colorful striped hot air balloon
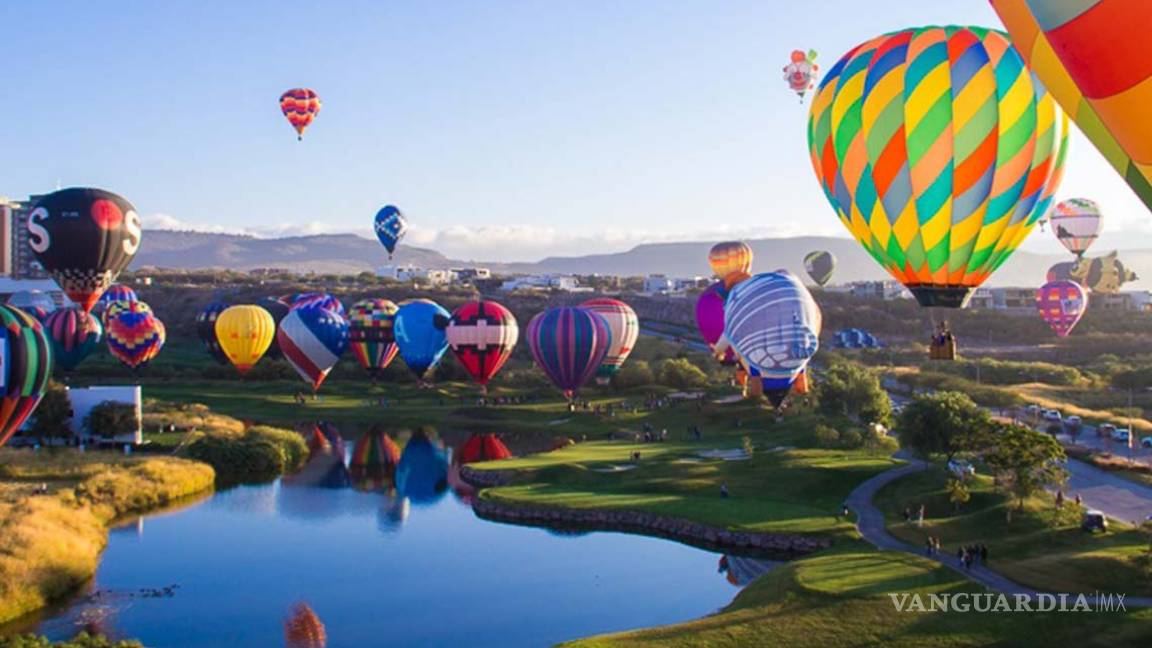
{"points": [[370, 334], [1076, 224], [206, 330], [482, 335], [24, 370], [939, 152], [625, 329], [74, 334], [115, 293], [244, 334], [820, 265], [1093, 57], [135, 335], [710, 320], [323, 300], [774, 325], [421, 333], [730, 260], [569, 345], [313, 339], [300, 106], [1061, 305], [115, 308]]}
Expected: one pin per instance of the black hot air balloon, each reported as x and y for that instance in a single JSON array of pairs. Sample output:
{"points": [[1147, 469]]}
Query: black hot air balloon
{"points": [[206, 330], [277, 309]]}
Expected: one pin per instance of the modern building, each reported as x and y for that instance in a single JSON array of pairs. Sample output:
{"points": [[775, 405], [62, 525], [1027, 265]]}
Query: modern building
{"points": [[885, 290], [412, 273], [1019, 300], [17, 260], [659, 284], [563, 283], [470, 275]]}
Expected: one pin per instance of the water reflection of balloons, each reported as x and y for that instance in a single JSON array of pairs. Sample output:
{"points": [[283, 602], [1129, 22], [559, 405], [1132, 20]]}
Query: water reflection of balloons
{"points": [[422, 474], [303, 628]]}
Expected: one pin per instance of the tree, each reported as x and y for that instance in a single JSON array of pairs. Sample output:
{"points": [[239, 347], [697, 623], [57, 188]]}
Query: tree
{"points": [[110, 419], [53, 416], [1025, 460], [853, 391], [637, 373], [942, 423], [958, 493], [682, 374]]}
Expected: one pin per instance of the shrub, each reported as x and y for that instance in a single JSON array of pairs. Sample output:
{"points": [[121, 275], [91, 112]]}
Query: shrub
{"points": [[53, 415], [851, 439], [259, 454], [637, 373], [825, 436], [110, 419], [680, 373]]}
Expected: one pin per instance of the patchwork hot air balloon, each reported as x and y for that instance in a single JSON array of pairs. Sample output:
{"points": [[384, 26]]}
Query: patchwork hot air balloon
{"points": [[370, 334], [300, 106], [115, 293], [774, 325], [84, 238], [800, 71], [34, 302], [277, 309], [24, 370], [710, 320], [313, 339], [320, 299], [135, 335], [390, 226], [244, 333], [731, 261], [206, 330], [374, 455], [1061, 305], [422, 474], [939, 152], [820, 265], [1076, 224], [115, 308], [1092, 55], [624, 327], [421, 333], [482, 335], [483, 447], [569, 345], [74, 334]]}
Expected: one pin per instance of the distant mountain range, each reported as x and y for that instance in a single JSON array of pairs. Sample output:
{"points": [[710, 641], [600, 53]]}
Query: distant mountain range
{"points": [[349, 253]]}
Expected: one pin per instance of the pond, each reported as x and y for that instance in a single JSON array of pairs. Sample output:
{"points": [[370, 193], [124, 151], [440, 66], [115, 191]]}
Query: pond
{"points": [[378, 568]]}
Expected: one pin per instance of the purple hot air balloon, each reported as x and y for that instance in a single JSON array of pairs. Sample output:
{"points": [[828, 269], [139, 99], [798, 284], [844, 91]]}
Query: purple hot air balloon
{"points": [[568, 344], [1061, 304], [710, 319]]}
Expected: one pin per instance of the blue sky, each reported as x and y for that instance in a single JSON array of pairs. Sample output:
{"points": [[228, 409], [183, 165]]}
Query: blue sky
{"points": [[504, 130]]}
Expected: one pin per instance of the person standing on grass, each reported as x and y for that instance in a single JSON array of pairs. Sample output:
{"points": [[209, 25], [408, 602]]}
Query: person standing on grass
{"points": [[724, 491], [844, 510], [907, 515], [984, 554], [928, 546], [920, 517], [936, 547]]}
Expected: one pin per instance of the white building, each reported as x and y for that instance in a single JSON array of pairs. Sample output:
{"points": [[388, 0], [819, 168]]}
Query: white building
{"points": [[84, 399], [659, 284], [886, 290], [564, 283], [410, 272]]}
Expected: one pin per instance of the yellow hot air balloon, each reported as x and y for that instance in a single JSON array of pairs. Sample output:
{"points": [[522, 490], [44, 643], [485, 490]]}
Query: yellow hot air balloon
{"points": [[730, 259], [245, 333]]}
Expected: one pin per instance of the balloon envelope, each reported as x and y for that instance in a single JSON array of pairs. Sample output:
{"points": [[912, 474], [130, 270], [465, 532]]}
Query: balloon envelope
{"points": [[300, 106], [938, 152], [370, 333], [244, 333], [482, 335], [25, 370], [115, 293], [1061, 305], [420, 330], [1076, 224], [390, 225], [206, 330], [820, 265], [568, 344], [74, 334], [277, 309], [313, 339], [135, 335], [624, 328], [320, 299], [730, 258], [710, 319]]}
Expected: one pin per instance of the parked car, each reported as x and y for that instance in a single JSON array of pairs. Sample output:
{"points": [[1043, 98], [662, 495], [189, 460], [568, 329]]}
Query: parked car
{"points": [[1121, 434], [1052, 415], [1093, 520], [1105, 429], [1146, 442], [961, 468], [1072, 421], [1032, 409]]}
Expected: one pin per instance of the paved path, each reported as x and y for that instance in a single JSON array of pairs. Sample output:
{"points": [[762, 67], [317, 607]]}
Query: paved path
{"points": [[870, 523], [1118, 498]]}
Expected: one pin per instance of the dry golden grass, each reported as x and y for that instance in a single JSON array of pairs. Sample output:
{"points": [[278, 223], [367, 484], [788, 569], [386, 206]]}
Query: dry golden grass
{"points": [[187, 416]]}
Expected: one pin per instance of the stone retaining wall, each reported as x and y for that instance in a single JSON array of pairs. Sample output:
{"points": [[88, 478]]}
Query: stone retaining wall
{"points": [[485, 478]]}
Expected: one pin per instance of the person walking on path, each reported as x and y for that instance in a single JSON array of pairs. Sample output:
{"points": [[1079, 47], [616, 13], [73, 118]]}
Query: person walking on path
{"points": [[920, 517], [960, 555]]}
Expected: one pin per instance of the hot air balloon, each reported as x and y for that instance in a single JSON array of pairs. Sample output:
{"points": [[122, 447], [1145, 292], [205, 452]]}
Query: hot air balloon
{"points": [[482, 335], [820, 265], [277, 309], [115, 308], [421, 333], [774, 324], [27, 363], [483, 447], [1103, 275], [939, 152], [206, 330], [390, 226], [730, 261], [422, 474], [1061, 305], [115, 293], [34, 302], [370, 334], [300, 106], [569, 345], [710, 320], [800, 71], [624, 327], [1093, 58], [135, 335], [73, 334], [322, 300], [244, 334], [313, 339], [84, 238], [375, 455], [1076, 224]]}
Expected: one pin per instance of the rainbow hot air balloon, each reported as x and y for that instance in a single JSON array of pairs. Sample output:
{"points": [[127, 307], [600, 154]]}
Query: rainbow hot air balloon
{"points": [[278, 310], [939, 152], [820, 265], [320, 299], [731, 261], [313, 339], [569, 345], [390, 225], [115, 293], [300, 106], [421, 333], [135, 335], [27, 363], [1061, 305], [482, 335], [1076, 224], [206, 330], [244, 334], [624, 327], [84, 238], [774, 325], [1092, 55], [370, 334], [74, 334], [710, 320]]}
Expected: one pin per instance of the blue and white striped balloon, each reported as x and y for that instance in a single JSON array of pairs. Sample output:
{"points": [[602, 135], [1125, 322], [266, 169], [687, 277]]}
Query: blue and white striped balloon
{"points": [[312, 338], [773, 323]]}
